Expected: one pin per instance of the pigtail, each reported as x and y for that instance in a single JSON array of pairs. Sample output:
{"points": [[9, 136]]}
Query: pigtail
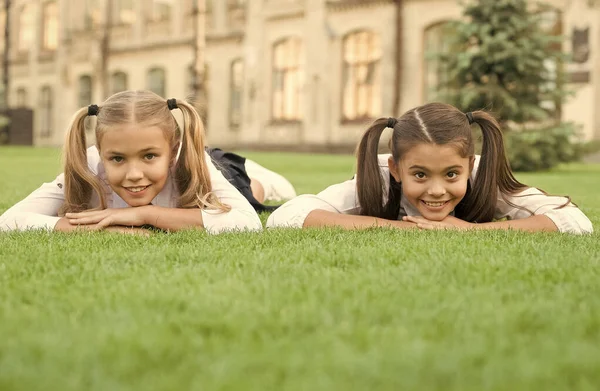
{"points": [[493, 175], [192, 176], [80, 182], [369, 182]]}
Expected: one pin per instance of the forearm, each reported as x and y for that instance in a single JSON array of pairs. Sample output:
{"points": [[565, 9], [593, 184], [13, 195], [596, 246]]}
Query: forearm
{"points": [[63, 225], [532, 224], [172, 219], [323, 218]]}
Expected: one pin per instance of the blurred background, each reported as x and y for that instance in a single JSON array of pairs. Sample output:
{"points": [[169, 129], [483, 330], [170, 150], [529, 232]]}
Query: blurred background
{"points": [[310, 75]]}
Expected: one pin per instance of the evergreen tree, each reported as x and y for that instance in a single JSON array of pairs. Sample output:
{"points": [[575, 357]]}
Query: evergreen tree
{"points": [[505, 58]]}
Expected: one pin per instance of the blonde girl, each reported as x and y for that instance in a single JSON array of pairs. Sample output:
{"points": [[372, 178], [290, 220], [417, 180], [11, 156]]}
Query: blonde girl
{"points": [[143, 171]]}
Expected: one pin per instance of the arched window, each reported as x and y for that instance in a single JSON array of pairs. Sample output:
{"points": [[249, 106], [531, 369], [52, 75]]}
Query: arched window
{"points": [[21, 100], [46, 118], [124, 12], [85, 90], [361, 76], [26, 28], [288, 79], [160, 10], [437, 41], [551, 23], [236, 88], [156, 81], [118, 82], [50, 26]]}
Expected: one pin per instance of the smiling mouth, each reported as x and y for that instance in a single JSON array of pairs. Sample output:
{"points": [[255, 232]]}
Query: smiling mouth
{"points": [[137, 189], [438, 204]]}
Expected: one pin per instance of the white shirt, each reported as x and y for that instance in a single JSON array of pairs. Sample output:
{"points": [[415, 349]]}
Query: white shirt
{"points": [[343, 198], [40, 208]]}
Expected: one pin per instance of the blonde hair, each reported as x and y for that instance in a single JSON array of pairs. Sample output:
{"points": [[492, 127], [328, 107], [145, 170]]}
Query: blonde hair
{"points": [[146, 109]]}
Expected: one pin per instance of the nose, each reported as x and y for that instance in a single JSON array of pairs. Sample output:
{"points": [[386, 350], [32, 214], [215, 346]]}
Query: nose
{"points": [[134, 174], [436, 190]]}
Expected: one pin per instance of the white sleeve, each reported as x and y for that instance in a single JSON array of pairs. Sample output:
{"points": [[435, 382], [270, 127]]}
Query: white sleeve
{"points": [[340, 198], [242, 215], [38, 210], [567, 218]]}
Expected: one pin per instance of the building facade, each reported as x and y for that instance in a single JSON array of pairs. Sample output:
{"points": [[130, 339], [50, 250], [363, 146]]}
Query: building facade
{"points": [[288, 74]]}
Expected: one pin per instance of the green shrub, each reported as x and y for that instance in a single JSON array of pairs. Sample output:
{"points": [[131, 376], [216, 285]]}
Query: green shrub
{"points": [[543, 148]]}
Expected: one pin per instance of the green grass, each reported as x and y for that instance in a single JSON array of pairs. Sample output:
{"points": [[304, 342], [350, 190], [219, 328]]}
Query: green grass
{"points": [[299, 310]]}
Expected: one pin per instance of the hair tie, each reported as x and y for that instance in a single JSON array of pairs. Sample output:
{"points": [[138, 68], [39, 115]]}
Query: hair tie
{"points": [[93, 110], [470, 117], [172, 103], [391, 122]]}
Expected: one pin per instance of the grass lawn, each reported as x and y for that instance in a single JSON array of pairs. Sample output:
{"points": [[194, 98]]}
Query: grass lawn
{"points": [[299, 310]]}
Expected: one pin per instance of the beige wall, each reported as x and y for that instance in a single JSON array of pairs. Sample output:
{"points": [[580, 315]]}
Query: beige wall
{"points": [[321, 27]]}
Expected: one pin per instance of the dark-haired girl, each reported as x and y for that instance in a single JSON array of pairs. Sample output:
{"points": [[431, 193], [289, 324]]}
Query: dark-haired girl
{"points": [[432, 179]]}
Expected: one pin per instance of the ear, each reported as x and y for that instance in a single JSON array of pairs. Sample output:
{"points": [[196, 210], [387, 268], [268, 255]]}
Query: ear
{"points": [[394, 169], [471, 164]]}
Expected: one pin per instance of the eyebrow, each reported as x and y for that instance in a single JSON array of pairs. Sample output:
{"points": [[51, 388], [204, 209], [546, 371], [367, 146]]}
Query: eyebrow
{"points": [[426, 169], [111, 152]]}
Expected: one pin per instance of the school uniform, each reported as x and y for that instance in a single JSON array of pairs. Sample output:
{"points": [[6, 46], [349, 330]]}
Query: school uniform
{"points": [[343, 198], [238, 170], [40, 208]]}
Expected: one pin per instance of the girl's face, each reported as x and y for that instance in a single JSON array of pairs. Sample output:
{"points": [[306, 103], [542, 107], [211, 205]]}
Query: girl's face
{"points": [[434, 178], [136, 161]]}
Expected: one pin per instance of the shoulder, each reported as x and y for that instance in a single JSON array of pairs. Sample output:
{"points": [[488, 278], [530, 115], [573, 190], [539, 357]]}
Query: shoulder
{"points": [[94, 161]]}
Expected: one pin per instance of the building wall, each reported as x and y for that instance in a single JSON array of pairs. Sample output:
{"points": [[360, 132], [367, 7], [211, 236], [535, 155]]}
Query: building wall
{"points": [[320, 24]]}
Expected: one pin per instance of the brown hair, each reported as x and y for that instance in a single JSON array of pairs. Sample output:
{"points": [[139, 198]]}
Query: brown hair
{"points": [[440, 124], [144, 108]]}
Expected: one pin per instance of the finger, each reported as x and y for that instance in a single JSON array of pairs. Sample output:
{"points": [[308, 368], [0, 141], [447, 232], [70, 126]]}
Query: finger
{"points": [[416, 219], [85, 220], [107, 222], [83, 214]]}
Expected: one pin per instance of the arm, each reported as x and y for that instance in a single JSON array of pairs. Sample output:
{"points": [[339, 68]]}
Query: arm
{"points": [[530, 210], [172, 219], [548, 215], [335, 206], [39, 210], [324, 218]]}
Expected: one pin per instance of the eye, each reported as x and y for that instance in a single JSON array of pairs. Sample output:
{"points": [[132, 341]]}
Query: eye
{"points": [[116, 159], [452, 175], [420, 175], [149, 156]]}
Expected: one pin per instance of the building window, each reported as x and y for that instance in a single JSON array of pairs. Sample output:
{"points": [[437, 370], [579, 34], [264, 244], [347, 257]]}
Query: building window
{"points": [[288, 78], [92, 14], [437, 41], [124, 13], [85, 90], [2, 24], [46, 112], [50, 26], [361, 76], [236, 86], [156, 81], [118, 82], [26, 28], [21, 100], [551, 24]]}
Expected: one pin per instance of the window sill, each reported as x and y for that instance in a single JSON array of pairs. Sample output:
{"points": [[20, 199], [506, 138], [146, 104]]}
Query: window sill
{"points": [[281, 122]]}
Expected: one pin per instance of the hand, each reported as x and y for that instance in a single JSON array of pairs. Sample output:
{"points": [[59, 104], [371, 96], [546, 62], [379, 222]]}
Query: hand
{"points": [[449, 222], [100, 219]]}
